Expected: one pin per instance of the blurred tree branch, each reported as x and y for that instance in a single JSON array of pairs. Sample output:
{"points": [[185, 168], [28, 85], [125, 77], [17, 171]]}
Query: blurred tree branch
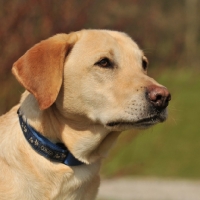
{"points": [[192, 28]]}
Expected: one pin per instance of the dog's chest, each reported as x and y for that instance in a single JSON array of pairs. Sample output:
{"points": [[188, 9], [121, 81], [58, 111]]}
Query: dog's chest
{"points": [[81, 185], [70, 189]]}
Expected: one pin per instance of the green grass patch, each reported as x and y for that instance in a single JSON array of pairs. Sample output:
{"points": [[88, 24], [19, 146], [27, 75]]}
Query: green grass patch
{"points": [[170, 149]]}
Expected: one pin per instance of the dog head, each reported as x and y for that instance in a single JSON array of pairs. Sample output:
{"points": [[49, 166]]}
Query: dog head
{"points": [[96, 75]]}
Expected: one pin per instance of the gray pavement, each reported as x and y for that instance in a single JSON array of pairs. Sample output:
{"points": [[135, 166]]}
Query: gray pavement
{"points": [[149, 189]]}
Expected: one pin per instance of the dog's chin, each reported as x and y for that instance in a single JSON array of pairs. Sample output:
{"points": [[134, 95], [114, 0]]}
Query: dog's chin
{"points": [[142, 123]]}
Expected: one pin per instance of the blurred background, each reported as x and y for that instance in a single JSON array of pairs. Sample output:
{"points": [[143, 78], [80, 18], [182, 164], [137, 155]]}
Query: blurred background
{"points": [[169, 34]]}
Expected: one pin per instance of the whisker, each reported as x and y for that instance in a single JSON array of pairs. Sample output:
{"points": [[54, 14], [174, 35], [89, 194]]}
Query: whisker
{"points": [[173, 109], [174, 120]]}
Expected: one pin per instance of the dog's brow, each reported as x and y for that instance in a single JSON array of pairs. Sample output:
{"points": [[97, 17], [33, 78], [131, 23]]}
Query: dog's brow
{"points": [[111, 52], [145, 58]]}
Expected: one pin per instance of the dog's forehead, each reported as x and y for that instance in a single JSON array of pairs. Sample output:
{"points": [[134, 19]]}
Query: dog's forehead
{"points": [[105, 40], [128, 46]]}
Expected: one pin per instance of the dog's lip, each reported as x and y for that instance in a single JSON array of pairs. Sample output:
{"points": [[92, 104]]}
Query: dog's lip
{"points": [[148, 121]]}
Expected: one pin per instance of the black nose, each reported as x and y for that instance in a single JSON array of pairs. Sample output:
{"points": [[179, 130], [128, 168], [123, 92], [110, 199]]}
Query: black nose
{"points": [[158, 96]]}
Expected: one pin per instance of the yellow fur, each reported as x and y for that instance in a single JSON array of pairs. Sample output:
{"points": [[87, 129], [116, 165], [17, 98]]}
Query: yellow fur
{"points": [[70, 99]]}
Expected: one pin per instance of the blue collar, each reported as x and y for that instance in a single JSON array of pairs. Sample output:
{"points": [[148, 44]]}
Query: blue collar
{"points": [[53, 152]]}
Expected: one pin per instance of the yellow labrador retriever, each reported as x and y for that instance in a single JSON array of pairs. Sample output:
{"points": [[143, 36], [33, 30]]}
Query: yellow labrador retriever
{"points": [[82, 90]]}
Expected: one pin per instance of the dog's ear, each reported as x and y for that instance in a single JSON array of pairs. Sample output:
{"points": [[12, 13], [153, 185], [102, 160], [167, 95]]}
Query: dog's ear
{"points": [[40, 69]]}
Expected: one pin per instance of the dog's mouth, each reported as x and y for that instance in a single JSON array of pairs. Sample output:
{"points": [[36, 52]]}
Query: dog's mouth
{"points": [[141, 123]]}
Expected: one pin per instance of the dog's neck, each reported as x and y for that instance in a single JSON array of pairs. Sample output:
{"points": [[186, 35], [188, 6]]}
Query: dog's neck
{"points": [[87, 141]]}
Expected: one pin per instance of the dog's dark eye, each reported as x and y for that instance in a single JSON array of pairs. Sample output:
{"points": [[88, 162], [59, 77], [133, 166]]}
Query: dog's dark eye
{"points": [[144, 63], [105, 63]]}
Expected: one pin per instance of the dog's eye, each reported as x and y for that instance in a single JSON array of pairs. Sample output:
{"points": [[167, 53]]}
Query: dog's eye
{"points": [[144, 63], [105, 63]]}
